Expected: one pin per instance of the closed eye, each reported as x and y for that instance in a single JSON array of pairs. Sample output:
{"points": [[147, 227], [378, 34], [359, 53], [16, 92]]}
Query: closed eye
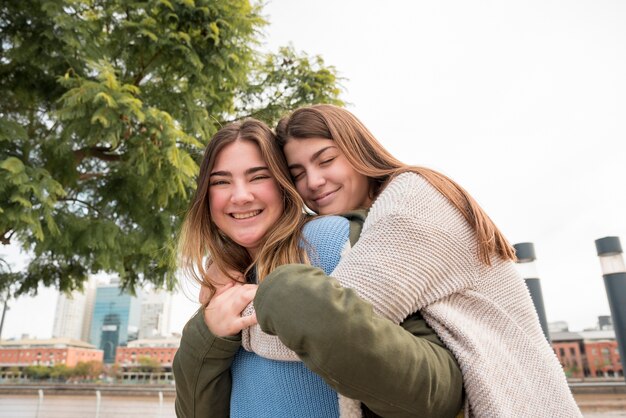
{"points": [[297, 175], [260, 177], [327, 161]]}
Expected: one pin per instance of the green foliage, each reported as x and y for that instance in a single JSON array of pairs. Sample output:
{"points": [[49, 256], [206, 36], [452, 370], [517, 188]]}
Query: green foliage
{"points": [[148, 364], [111, 370], [60, 372], [37, 372], [90, 370], [287, 80], [105, 107], [87, 370]]}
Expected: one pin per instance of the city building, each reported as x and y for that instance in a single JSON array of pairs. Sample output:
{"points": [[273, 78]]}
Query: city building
{"points": [[159, 349], [28, 352], [109, 318], [603, 359], [558, 326], [72, 318], [156, 308], [588, 353], [115, 319], [605, 322]]}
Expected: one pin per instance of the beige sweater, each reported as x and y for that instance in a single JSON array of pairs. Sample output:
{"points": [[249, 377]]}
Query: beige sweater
{"points": [[417, 252]]}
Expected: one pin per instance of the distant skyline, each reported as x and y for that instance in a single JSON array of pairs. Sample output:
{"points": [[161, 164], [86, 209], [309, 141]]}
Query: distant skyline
{"points": [[522, 103]]}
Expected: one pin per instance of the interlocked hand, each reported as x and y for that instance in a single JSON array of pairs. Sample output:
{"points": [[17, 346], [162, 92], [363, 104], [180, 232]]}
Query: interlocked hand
{"points": [[223, 313]]}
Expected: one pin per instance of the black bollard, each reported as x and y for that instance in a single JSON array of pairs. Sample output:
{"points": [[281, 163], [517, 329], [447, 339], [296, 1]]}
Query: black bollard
{"points": [[614, 273], [525, 252]]}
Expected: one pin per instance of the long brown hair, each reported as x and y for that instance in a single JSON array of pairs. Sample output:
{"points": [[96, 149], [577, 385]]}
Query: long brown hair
{"points": [[201, 243], [368, 157]]}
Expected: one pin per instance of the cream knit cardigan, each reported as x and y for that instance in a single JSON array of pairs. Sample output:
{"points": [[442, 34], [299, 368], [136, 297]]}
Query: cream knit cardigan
{"points": [[417, 252]]}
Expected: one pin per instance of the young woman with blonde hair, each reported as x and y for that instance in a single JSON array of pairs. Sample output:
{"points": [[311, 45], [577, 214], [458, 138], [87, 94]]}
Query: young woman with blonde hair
{"points": [[247, 216], [425, 246]]}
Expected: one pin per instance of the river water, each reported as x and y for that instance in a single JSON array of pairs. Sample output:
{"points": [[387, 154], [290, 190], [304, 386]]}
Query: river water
{"points": [[112, 406], [59, 406]]}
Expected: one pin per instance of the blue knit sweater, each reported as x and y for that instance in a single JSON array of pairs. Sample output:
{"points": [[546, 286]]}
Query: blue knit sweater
{"points": [[265, 388]]}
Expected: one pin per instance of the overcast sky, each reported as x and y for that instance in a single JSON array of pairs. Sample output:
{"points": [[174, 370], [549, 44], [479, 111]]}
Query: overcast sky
{"points": [[522, 103]]}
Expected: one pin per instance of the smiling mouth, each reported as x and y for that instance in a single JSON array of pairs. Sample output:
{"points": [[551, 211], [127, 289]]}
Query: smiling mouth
{"points": [[246, 215], [324, 196]]}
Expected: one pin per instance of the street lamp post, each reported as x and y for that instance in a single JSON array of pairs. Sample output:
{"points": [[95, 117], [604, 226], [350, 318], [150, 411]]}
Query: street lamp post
{"points": [[526, 262], [614, 273], [5, 301], [4, 311]]}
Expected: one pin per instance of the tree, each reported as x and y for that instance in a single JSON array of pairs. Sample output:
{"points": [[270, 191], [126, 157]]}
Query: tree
{"points": [[37, 372], [60, 372], [105, 107], [111, 371], [15, 372], [88, 370], [148, 364]]}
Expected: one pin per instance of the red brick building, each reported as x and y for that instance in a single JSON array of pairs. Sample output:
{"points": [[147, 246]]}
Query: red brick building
{"points": [[160, 349], [571, 357], [588, 353], [603, 359], [28, 352]]}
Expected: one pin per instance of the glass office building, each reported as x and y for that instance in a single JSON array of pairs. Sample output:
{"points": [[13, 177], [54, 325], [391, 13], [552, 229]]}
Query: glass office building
{"points": [[115, 319]]}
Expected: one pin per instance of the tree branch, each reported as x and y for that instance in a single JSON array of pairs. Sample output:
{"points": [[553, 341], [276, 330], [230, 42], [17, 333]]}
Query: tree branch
{"points": [[82, 202], [6, 239], [101, 153], [142, 72], [49, 131], [272, 102], [88, 176], [254, 114]]}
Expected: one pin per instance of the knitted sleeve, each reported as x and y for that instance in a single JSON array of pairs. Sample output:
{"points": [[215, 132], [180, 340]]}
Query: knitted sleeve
{"points": [[415, 248], [402, 264]]}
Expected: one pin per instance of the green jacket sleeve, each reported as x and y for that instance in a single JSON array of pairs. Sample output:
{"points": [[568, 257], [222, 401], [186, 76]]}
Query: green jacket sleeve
{"points": [[395, 371], [202, 371]]}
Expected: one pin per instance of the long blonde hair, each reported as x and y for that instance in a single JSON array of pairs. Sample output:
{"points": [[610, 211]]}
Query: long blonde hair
{"points": [[368, 157], [201, 242]]}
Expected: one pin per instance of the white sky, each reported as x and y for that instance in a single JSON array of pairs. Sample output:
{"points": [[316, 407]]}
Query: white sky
{"points": [[522, 103]]}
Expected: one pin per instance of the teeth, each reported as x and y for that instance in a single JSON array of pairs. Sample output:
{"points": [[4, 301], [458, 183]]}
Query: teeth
{"points": [[245, 215]]}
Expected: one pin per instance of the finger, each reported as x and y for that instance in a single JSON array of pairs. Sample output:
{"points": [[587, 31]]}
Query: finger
{"points": [[223, 288], [250, 292], [250, 286], [204, 295], [245, 322], [229, 299], [243, 298]]}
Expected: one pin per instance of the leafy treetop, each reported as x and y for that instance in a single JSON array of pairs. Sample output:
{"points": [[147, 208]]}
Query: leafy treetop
{"points": [[105, 107]]}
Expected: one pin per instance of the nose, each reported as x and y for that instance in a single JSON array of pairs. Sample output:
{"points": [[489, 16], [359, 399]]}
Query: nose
{"points": [[241, 194], [315, 180]]}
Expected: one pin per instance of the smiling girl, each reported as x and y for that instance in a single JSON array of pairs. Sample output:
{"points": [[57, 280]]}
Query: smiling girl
{"points": [[425, 246]]}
